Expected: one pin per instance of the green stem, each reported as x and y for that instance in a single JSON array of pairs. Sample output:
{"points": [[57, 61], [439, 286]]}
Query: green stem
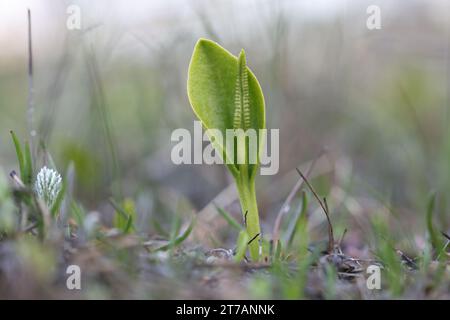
{"points": [[247, 196]]}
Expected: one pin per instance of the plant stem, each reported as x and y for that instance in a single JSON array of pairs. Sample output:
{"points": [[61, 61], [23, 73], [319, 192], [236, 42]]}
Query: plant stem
{"points": [[247, 196]]}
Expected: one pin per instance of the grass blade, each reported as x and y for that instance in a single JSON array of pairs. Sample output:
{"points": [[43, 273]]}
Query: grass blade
{"points": [[124, 217], [28, 164], [231, 221], [433, 234], [19, 154], [177, 241], [59, 199], [300, 220]]}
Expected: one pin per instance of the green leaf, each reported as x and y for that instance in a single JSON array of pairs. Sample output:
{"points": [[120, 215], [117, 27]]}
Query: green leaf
{"points": [[224, 93], [278, 251], [28, 174], [78, 213], [125, 215], [19, 153], [59, 199], [25, 160], [300, 222], [129, 225], [174, 230], [436, 242], [178, 240]]}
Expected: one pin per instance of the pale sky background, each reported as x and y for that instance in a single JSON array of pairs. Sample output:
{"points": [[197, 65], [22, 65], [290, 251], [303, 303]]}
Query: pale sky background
{"points": [[49, 17]]}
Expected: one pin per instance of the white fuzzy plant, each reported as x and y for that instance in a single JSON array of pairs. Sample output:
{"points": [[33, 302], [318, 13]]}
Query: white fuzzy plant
{"points": [[48, 185]]}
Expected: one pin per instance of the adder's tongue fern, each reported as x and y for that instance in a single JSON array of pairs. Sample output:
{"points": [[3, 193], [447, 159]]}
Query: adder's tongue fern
{"points": [[226, 95]]}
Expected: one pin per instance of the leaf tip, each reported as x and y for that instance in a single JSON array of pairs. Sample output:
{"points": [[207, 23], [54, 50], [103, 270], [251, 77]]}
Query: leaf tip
{"points": [[203, 42]]}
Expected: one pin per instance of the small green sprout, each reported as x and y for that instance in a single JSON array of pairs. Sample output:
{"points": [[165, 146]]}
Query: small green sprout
{"points": [[225, 95]]}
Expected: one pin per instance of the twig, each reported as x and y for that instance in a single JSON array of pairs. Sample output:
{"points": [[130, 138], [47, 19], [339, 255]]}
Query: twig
{"points": [[17, 180], [330, 227], [445, 235], [324, 206], [410, 262]]}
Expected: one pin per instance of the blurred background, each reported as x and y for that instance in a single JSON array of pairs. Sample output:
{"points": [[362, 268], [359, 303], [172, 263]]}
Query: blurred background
{"points": [[108, 96]]}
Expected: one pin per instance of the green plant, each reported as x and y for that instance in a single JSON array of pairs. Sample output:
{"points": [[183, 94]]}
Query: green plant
{"points": [[225, 95], [39, 198], [125, 215], [24, 159]]}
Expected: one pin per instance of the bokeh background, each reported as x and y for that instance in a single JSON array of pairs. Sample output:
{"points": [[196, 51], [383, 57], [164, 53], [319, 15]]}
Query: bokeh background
{"points": [[108, 96]]}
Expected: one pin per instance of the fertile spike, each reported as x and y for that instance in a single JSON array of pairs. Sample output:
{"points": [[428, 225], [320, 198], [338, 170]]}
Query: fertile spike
{"points": [[241, 98]]}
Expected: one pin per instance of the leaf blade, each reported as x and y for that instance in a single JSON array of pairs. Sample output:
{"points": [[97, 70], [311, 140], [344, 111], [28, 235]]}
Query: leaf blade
{"points": [[19, 153], [213, 79]]}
